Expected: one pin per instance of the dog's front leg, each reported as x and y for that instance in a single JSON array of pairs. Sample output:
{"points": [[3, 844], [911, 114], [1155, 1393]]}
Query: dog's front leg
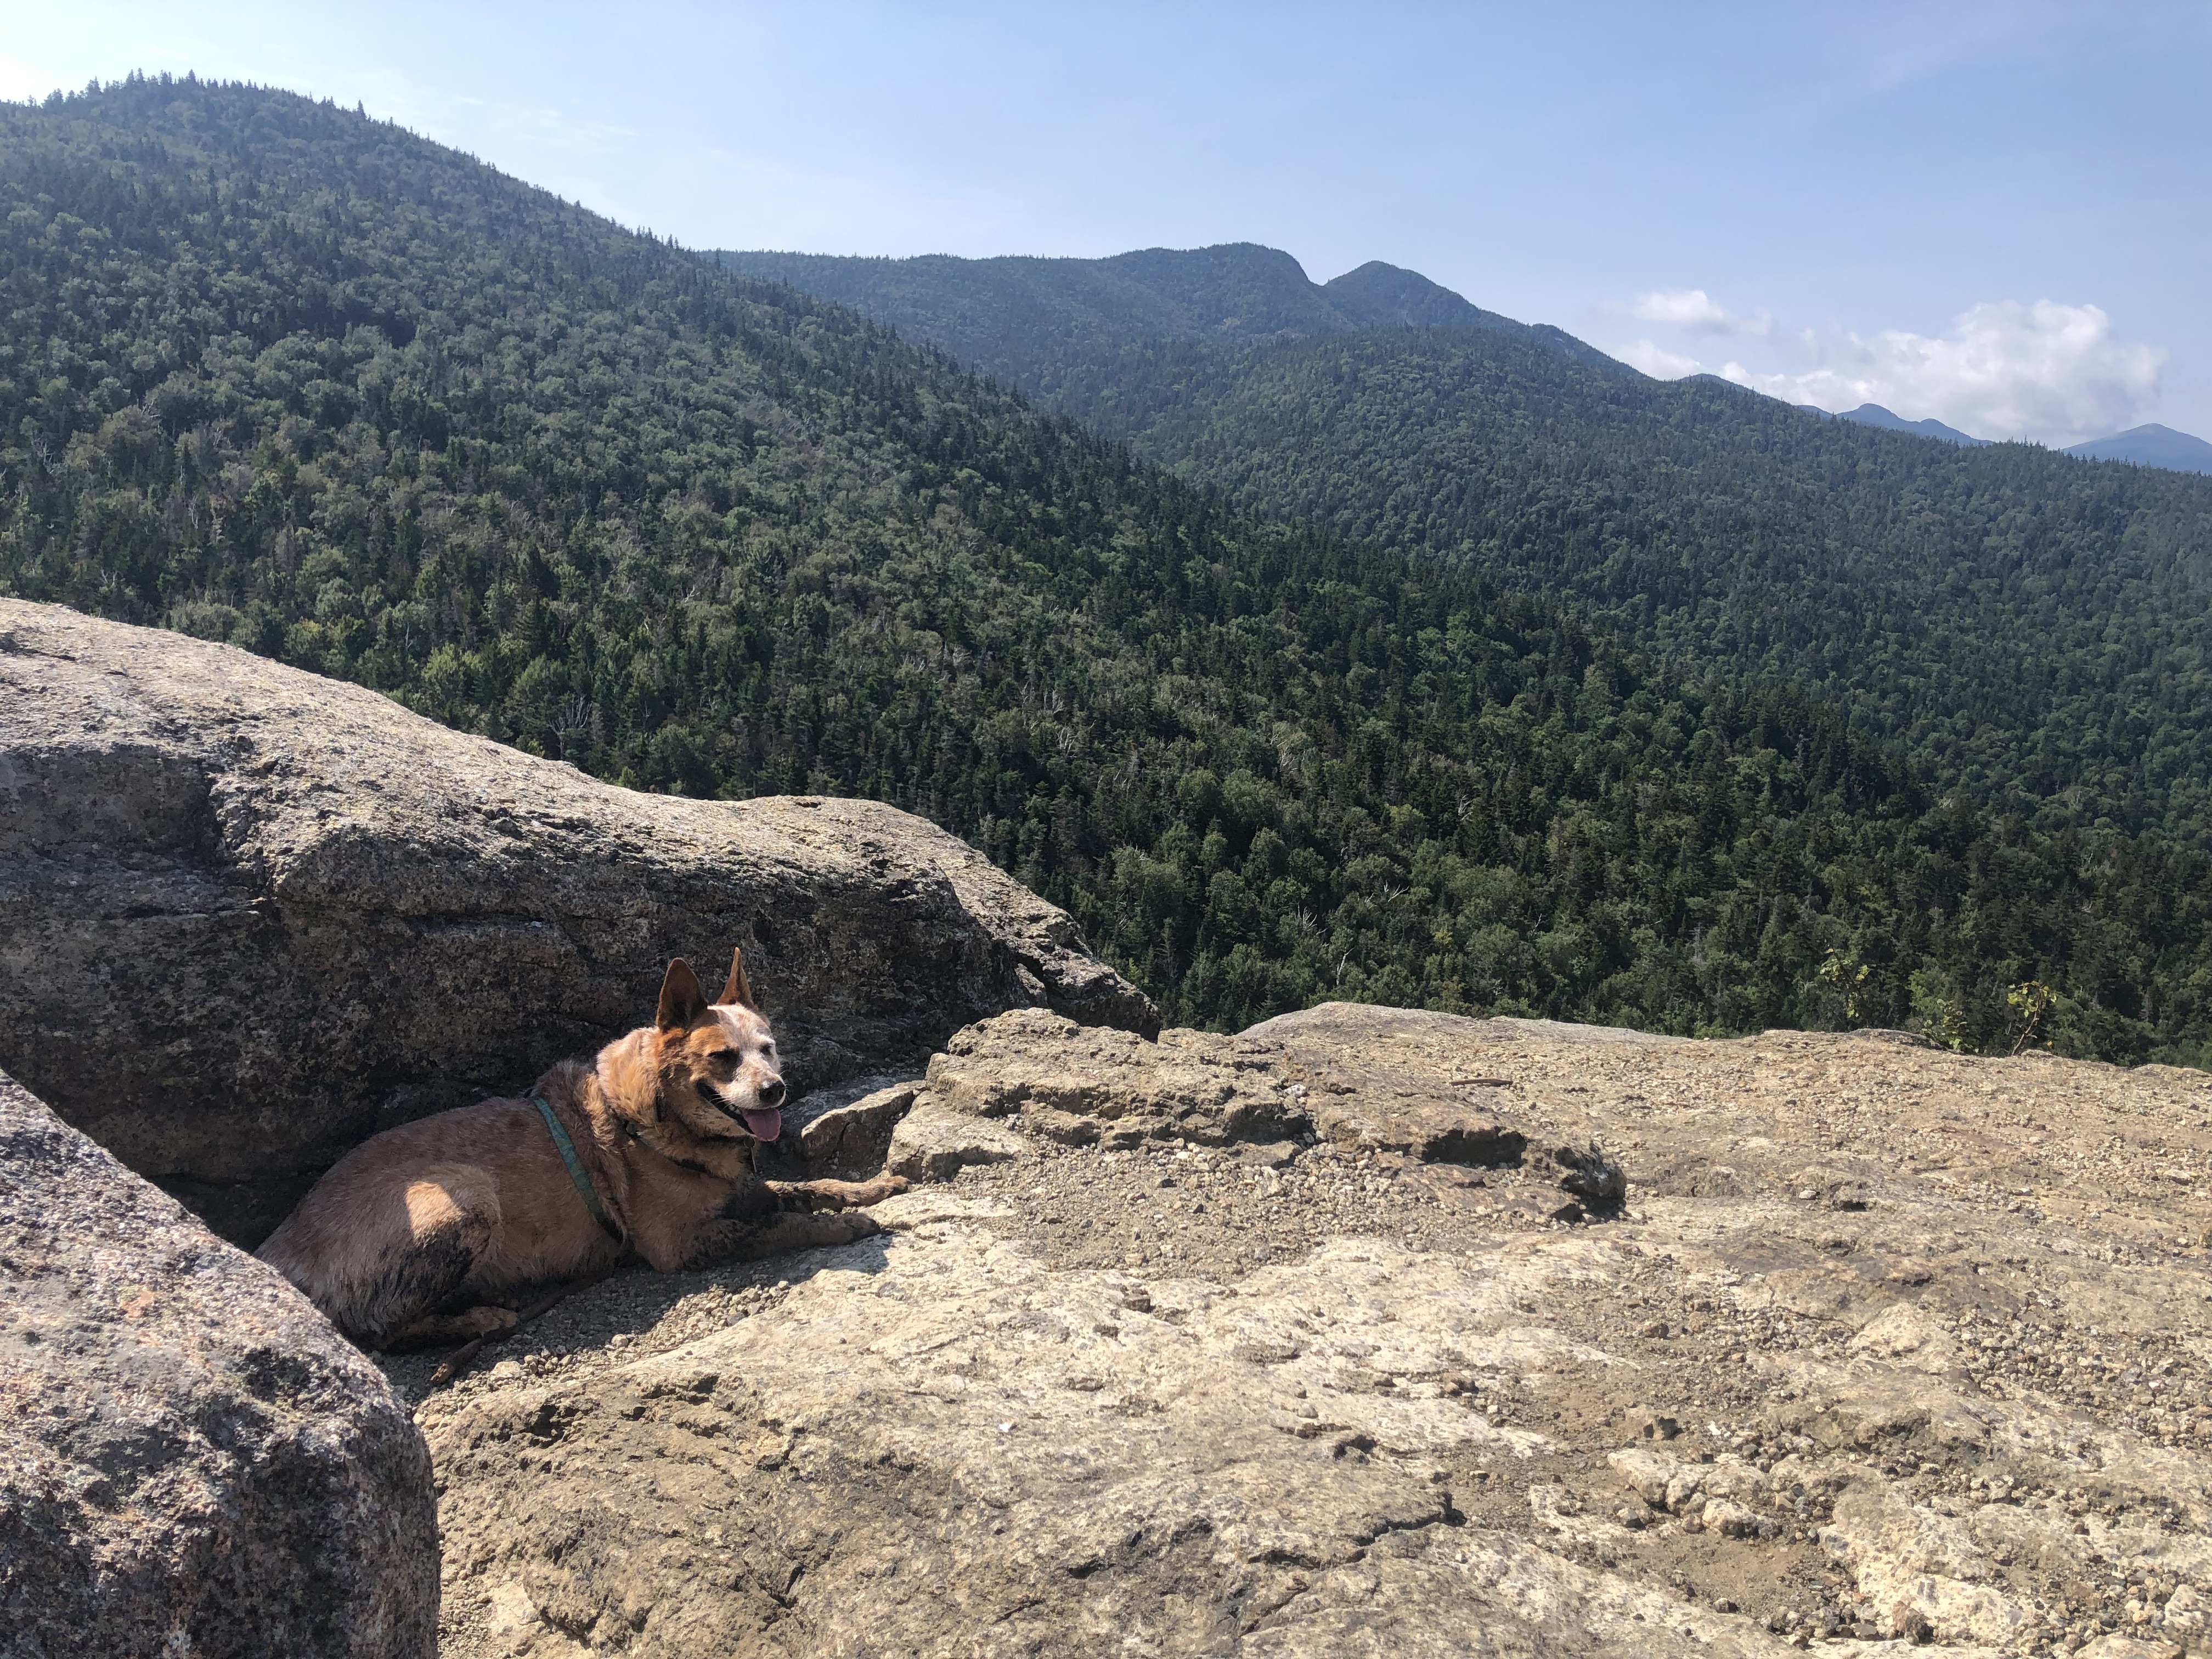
{"points": [[751, 1241], [811, 1195]]}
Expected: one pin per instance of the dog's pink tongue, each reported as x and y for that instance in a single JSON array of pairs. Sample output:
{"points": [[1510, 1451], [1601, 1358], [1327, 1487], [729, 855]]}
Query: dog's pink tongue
{"points": [[765, 1125]]}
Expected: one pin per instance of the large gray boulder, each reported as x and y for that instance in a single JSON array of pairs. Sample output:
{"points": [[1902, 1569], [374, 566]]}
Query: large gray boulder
{"points": [[248, 915], [191, 1460]]}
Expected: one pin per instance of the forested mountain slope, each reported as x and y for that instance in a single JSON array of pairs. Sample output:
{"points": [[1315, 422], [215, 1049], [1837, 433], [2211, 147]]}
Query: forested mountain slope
{"points": [[275, 373], [2032, 629]]}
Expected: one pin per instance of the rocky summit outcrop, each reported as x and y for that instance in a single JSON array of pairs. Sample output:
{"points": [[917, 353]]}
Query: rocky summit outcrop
{"points": [[249, 915], [191, 1460], [1338, 1339]]}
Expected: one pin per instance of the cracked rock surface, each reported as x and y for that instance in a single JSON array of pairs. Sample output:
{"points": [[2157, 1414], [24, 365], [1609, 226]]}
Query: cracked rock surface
{"points": [[319, 914], [1885, 1343]]}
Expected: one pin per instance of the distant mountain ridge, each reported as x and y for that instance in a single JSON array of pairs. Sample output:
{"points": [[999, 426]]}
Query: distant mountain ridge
{"points": [[2150, 445], [1876, 415], [1004, 314]]}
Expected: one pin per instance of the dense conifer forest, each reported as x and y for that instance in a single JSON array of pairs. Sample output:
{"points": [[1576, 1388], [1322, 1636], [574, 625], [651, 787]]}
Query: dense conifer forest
{"points": [[2032, 629], [276, 374]]}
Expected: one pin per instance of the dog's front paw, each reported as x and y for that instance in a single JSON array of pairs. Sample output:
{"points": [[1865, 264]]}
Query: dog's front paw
{"points": [[822, 1230], [843, 1194]]}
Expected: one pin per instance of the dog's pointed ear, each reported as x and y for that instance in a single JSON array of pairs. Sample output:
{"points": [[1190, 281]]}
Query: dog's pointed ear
{"points": [[682, 1000], [739, 989]]}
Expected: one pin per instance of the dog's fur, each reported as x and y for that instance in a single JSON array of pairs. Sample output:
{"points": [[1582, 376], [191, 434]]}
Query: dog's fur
{"points": [[423, 1234]]}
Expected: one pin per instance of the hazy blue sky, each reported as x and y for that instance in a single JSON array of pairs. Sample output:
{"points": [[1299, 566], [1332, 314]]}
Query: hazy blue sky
{"points": [[1999, 214]]}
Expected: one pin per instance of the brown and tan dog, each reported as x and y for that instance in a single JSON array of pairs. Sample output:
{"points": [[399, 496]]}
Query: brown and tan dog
{"points": [[422, 1234]]}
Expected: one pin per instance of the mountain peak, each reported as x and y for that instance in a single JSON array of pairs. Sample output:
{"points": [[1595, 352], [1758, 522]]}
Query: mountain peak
{"points": [[1379, 295], [2150, 445]]}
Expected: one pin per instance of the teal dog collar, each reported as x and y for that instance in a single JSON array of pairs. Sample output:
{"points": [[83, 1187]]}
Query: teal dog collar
{"points": [[568, 1150]]}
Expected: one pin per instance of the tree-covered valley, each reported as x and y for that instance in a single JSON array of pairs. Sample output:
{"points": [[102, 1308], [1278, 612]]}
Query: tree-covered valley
{"points": [[2032, 629], [274, 372]]}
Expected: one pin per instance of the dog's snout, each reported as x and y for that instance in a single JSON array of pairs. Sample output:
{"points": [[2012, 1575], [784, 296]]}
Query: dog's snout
{"points": [[771, 1092]]}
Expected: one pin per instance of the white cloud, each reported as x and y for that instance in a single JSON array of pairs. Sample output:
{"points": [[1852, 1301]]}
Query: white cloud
{"points": [[1692, 308], [2051, 372], [19, 81], [1659, 364]]}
